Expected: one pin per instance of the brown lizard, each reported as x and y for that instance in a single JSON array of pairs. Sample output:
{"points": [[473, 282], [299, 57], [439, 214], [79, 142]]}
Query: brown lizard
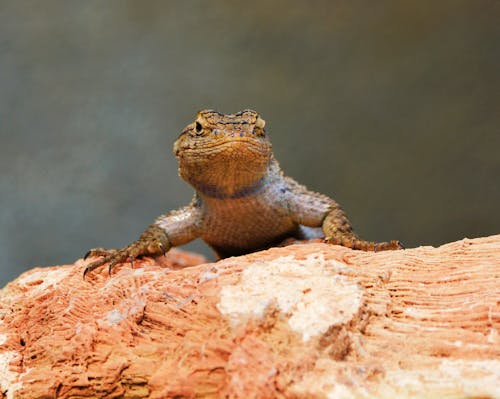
{"points": [[243, 202]]}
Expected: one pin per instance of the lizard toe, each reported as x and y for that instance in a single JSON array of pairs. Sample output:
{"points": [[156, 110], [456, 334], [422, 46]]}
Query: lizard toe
{"points": [[99, 251], [120, 256], [93, 266], [397, 244], [113, 257], [111, 266]]}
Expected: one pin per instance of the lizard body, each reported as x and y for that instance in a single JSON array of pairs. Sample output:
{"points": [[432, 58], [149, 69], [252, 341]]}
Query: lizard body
{"points": [[243, 202]]}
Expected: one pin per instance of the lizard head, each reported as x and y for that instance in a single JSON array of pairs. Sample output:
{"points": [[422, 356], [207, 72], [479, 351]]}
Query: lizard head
{"points": [[223, 155]]}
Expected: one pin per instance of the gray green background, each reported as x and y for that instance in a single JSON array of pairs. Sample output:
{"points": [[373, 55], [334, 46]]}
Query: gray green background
{"points": [[390, 107]]}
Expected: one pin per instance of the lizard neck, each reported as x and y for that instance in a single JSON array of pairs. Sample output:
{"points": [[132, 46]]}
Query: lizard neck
{"points": [[207, 191]]}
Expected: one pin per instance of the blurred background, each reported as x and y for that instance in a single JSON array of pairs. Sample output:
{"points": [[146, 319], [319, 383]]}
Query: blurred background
{"points": [[390, 107]]}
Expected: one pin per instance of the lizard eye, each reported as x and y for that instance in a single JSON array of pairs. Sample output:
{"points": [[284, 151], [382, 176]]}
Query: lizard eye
{"points": [[260, 123], [259, 126], [198, 127]]}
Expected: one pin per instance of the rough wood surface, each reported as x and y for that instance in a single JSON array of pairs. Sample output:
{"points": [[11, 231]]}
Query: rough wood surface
{"points": [[303, 321]]}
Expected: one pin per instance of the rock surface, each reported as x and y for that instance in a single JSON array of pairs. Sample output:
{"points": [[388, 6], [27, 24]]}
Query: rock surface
{"points": [[303, 321]]}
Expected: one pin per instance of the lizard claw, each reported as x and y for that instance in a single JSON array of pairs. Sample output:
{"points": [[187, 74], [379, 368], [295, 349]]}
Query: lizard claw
{"points": [[111, 266], [93, 265], [107, 255], [114, 257], [163, 249], [85, 271]]}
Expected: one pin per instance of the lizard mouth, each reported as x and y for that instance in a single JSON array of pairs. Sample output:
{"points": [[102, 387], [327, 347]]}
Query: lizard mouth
{"points": [[230, 144]]}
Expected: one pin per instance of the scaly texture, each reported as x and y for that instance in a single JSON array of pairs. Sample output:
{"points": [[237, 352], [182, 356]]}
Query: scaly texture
{"points": [[243, 202], [303, 321]]}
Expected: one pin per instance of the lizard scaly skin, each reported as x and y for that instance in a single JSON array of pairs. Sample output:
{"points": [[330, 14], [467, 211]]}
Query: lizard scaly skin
{"points": [[243, 202]]}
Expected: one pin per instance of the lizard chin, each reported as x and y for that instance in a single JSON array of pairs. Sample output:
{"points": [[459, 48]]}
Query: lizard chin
{"points": [[232, 168]]}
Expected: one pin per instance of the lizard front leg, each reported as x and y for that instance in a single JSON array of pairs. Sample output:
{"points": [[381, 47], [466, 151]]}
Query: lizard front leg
{"points": [[317, 210], [338, 231], [170, 230]]}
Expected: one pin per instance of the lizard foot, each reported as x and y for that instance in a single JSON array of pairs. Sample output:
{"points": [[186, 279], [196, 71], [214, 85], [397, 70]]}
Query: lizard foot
{"points": [[107, 255], [362, 245], [152, 243]]}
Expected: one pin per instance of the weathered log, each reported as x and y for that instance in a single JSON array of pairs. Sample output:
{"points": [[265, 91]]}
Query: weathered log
{"points": [[303, 321]]}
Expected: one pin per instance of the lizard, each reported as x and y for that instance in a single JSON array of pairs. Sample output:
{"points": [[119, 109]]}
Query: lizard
{"points": [[243, 202]]}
